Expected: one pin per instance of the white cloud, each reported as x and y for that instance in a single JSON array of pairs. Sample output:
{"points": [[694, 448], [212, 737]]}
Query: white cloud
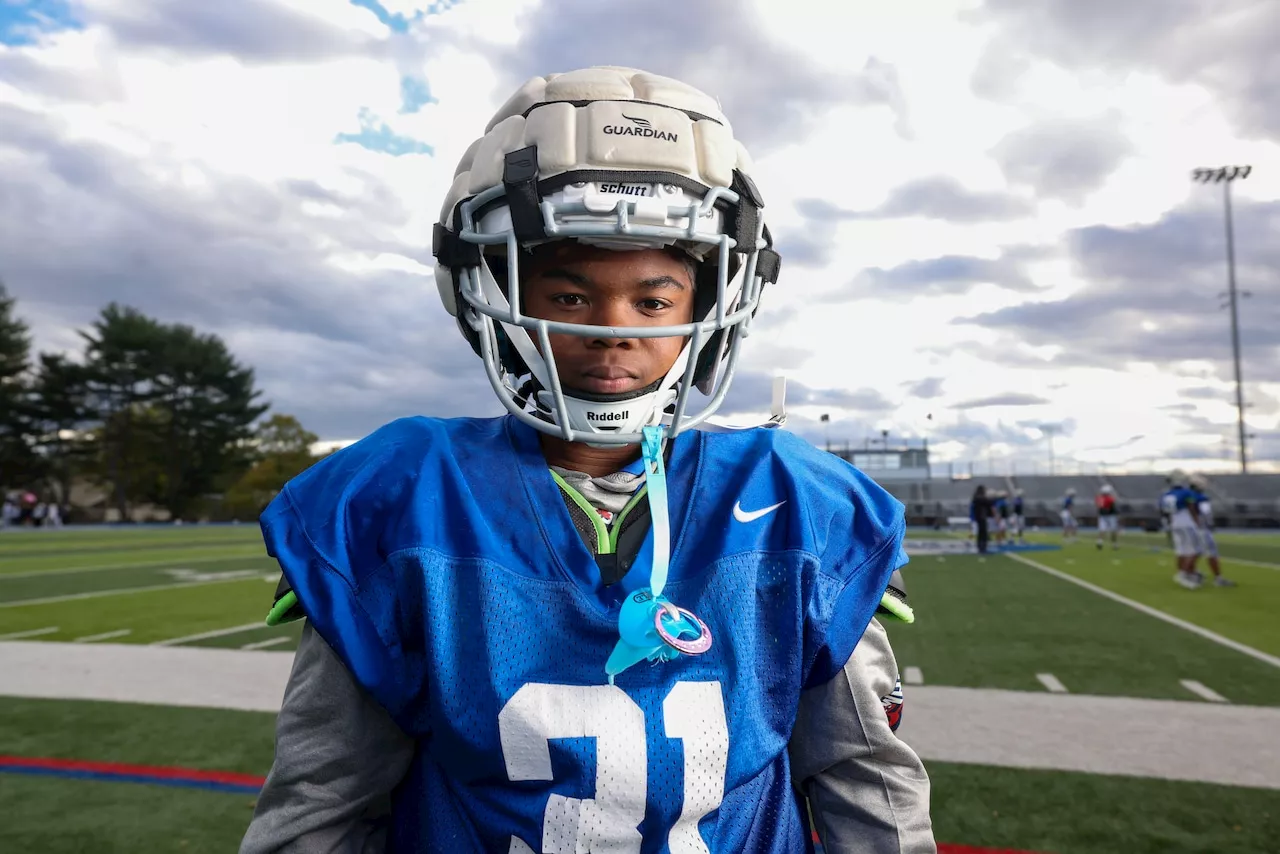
{"points": [[215, 129]]}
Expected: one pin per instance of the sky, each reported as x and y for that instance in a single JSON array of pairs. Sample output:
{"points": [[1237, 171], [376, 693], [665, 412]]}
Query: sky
{"points": [[985, 208]]}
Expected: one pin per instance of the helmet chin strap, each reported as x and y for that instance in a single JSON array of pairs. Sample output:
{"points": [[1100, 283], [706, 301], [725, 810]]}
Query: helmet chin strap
{"points": [[603, 413]]}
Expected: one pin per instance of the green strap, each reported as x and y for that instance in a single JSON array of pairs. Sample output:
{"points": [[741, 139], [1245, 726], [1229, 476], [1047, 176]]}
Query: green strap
{"points": [[279, 613], [897, 608], [602, 532], [616, 530], [606, 535]]}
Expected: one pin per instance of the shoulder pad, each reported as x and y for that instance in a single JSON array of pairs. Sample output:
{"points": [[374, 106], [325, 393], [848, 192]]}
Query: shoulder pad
{"points": [[894, 601], [286, 608]]}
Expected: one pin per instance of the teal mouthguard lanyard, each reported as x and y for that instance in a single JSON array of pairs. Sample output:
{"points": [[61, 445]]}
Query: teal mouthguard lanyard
{"points": [[649, 626]]}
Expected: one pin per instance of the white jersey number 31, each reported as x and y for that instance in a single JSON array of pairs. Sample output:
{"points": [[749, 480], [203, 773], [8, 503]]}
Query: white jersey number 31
{"points": [[538, 713]]}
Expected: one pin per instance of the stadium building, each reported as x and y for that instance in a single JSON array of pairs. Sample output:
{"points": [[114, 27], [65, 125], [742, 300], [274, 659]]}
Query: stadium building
{"points": [[935, 494]]}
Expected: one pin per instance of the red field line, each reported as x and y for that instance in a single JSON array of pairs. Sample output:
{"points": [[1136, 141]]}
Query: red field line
{"points": [[947, 848], [122, 769]]}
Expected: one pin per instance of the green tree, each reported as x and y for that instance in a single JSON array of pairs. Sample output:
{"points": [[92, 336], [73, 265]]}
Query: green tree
{"points": [[16, 459], [122, 348], [283, 450], [58, 420], [15, 342], [283, 436], [175, 410], [210, 405]]}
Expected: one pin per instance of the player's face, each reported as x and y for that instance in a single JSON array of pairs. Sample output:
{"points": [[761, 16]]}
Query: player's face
{"points": [[581, 284]]}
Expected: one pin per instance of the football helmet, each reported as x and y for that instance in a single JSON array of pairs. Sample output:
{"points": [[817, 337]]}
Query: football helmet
{"points": [[621, 159]]}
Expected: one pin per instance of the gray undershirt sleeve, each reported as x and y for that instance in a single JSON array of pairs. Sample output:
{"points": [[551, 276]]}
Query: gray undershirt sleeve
{"points": [[868, 790], [338, 757]]}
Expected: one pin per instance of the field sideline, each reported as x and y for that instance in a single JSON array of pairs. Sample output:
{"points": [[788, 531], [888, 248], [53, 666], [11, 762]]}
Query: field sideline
{"points": [[1075, 623]]}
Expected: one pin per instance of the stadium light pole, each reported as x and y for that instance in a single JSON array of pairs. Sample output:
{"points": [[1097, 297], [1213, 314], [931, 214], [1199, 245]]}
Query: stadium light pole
{"points": [[1225, 175]]}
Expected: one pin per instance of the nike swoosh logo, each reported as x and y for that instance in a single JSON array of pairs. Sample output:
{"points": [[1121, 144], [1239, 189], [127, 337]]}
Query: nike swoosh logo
{"points": [[752, 515]]}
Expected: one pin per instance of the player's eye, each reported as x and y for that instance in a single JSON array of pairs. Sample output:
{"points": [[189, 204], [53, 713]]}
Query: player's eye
{"points": [[654, 304], [568, 299]]}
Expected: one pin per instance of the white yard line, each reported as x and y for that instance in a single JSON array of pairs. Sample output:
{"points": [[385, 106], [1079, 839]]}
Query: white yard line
{"points": [[216, 633], [914, 676], [1049, 681], [29, 633], [4, 576], [118, 633], [120, 591], [1153, 612], [266, 643], [1250, 562], [1208, 693]]}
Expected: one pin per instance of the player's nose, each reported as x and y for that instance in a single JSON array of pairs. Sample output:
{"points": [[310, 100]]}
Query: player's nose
{"points": [[613, 314]]}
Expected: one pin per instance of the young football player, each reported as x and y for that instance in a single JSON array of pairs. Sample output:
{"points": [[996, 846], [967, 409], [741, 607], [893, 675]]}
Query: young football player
{"points": [[1069, 524], [1108, 515], [1181, 505], [1166, 511], [1208, 546], [1000, 517], [599, 622], [1019, 517]]}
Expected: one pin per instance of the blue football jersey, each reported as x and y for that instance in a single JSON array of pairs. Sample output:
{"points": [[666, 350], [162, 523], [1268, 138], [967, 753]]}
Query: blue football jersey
{"points": [[1178, 499], [438, 559]]}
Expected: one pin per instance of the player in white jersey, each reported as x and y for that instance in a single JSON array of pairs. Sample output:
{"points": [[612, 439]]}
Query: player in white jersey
{"points": [[1180, 503], [1069, 524], [1208, 545], [1166, 516]]}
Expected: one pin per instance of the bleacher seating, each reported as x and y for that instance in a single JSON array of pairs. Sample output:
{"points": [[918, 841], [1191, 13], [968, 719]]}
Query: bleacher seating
{"points": [[1238, 500], [1247, 487], [959, 490], [1138, 487], [1052, 488]]}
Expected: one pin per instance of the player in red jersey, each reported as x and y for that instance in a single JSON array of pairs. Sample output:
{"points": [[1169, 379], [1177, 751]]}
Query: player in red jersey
{"points": [[1108, 516]]}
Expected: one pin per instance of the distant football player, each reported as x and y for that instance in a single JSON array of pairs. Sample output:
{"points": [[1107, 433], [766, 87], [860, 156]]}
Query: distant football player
{"points": [[1069, 524], [1166, 512], [980, 515], [597, 623], [1180, 502], [1000, 517], [1019, 517], [1208, 545], [1108, 515]]}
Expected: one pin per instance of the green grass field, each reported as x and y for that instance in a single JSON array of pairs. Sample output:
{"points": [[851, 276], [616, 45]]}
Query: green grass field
{"points": [[996, 623], [156, 584], [982, 622]]}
